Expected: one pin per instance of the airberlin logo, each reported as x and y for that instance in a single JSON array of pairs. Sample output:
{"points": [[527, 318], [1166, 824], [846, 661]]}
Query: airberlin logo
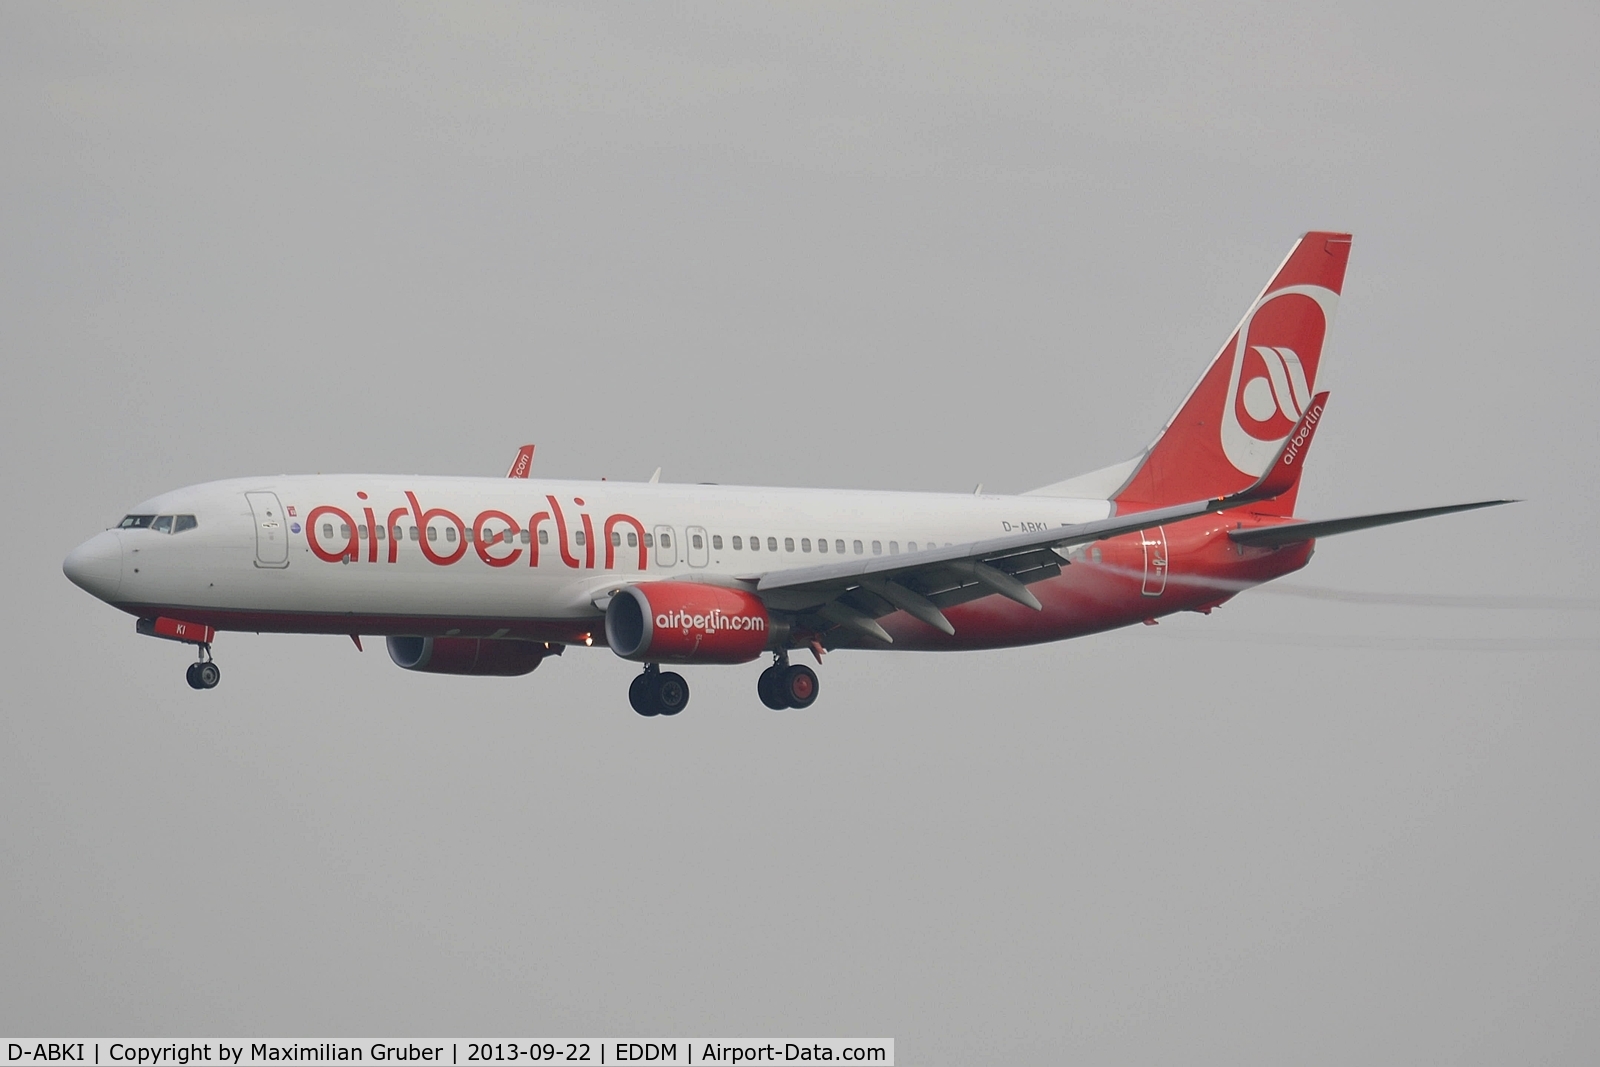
{"points": [[1302, 435], [713, 622], [1275, 357], [499, 538]]}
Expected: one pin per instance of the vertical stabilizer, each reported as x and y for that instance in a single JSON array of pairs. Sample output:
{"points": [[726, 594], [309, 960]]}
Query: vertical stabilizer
{"points": [[1234, 421]]}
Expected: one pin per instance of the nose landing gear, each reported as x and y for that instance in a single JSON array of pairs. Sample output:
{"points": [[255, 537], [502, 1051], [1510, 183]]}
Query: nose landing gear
{"points": [[205, 674], [657, 692], [785, 685]]}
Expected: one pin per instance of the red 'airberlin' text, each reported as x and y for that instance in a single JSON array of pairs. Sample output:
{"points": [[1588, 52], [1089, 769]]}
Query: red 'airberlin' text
{"points": [[495, 550]]}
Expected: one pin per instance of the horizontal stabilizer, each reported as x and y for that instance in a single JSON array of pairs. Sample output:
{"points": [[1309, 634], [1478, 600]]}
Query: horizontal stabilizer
{"points": [[1294, 533]]}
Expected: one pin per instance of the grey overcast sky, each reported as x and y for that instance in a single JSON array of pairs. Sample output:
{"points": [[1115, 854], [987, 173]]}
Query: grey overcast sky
{"points": [[916, 246]]}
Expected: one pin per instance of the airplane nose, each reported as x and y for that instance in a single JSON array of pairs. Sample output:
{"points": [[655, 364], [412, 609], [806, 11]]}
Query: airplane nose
{"points": [[96, 565]]}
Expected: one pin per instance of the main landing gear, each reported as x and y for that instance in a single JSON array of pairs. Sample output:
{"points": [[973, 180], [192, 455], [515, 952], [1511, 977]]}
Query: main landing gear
{"points": [[205, 674], [785, 685], [658, 693]]}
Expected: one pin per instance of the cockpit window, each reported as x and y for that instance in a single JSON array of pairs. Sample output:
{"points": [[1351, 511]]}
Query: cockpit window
{"points": [[167, 524]]}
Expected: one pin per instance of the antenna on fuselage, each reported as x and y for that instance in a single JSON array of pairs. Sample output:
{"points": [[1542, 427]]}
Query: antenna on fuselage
{"points": [[656, 477]]}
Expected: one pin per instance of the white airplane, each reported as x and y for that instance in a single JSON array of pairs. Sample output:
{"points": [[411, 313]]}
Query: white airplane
{"points": [[489, 576]]}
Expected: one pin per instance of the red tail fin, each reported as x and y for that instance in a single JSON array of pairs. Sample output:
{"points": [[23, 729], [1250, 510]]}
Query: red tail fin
{"points": [[1235, 420]]}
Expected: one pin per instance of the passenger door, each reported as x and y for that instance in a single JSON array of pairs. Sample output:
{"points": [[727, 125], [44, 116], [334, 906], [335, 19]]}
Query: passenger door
{"points": [[272, 535], [1155, 561], [699, 550], [666, 548]]}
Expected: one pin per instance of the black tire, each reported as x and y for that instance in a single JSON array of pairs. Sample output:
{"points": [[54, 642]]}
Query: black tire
{"points": [[192, 676], [800, 686], [769, 687], [672, 694], [642, 694], [209, 674]]}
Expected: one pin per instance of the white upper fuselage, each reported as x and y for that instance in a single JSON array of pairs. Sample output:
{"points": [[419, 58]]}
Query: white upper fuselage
{"points": [[339, 555]]}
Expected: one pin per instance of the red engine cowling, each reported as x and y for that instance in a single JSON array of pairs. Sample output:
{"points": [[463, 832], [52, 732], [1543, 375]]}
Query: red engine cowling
{"points": [[685, 622], [467, 655]]}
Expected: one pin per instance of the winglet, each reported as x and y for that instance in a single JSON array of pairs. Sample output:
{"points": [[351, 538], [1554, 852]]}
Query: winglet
{"points": [[521, 465], [1284, 472]]}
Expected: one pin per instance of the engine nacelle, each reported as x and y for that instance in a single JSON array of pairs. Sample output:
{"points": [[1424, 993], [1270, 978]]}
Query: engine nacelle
{"points": [[686, 622], [468, 655]]}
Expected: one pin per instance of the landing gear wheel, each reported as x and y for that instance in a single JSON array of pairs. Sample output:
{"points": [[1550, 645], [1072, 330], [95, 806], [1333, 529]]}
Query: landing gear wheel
{"points": [[672, 694], [800, 686], [642, 694], [769, 687], [208, 674], [192, 676]]}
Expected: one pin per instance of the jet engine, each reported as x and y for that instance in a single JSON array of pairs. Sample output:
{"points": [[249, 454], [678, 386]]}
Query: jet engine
{"points": [[468, 655], [686, 622]]}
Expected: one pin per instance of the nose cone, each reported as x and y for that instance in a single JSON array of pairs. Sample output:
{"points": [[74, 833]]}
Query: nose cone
{"points": [[96, 565]]}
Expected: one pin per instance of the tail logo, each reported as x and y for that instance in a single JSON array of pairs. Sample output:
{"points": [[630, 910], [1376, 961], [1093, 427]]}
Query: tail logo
{"points": [[1275, 357]]}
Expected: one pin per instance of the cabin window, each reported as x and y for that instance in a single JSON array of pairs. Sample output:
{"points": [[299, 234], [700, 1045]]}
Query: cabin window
{"points": [[399, 534], [755, 544], [414, 533], [327, 531], [838, 546], [822, 544], [344, 531], [136, 522], [544, 537], [857, 546], [433, 533], [361, 531], [181, 523], [382, 531], [805, 544], [616, 539], [877, 548], [1096, 552], [666, 539], [738, 542], [579, 538], [449, 533], [911, 546], [772, 544], [894, 548], [649, 540], [466, 534], [716, 542], [788, 544], [633, 539], [696, 541]]}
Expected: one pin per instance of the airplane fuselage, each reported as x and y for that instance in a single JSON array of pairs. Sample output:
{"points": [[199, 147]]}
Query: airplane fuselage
{"points": [[514, 558]]}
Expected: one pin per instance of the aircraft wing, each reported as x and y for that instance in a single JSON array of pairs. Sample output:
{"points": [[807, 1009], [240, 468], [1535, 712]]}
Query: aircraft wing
{"points": [[854, 593]]}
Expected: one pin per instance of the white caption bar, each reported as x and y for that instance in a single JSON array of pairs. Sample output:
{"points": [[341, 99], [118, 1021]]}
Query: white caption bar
{"points": [[587, 1051]]}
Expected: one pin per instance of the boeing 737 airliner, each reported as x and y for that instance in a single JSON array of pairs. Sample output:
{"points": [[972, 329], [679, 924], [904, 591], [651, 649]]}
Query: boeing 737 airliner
{"points": [[489, 576]]}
